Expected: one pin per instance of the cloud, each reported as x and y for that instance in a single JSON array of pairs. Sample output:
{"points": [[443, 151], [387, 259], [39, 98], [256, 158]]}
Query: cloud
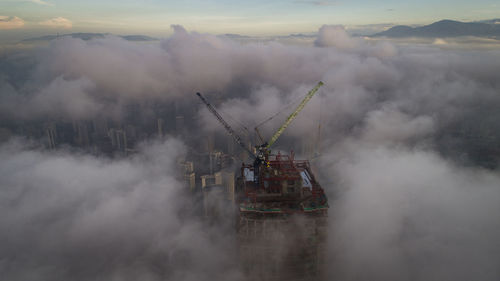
{"points": [[72, 96], [440, 41], [391, 125], [408, 215], [82, 217], [335, 36], [41, 2], [58, 22], [7, 22]]}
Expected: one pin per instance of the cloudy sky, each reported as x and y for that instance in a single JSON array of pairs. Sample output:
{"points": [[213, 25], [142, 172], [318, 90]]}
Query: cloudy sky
{"points": [[258, 17]]}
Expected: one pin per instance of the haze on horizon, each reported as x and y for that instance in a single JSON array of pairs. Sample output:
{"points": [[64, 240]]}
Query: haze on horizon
{"points": [[20, 19]]}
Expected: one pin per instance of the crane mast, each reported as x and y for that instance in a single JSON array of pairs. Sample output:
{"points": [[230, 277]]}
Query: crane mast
{"points": [[226, 125]]}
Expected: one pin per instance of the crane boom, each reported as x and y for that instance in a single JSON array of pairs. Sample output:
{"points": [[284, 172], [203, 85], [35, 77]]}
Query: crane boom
{"points": [[293, 115], [226, 125]]}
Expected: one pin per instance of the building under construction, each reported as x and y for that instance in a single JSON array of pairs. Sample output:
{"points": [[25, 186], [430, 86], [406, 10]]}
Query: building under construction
{"points": [[282, 220]]}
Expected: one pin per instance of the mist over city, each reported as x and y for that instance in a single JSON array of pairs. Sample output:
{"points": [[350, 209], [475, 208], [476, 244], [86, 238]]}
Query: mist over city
{"points": [[112, 168]]}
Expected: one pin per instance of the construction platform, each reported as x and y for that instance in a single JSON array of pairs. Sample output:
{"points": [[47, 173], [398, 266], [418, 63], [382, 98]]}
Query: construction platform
{"points": [[282, 229]]}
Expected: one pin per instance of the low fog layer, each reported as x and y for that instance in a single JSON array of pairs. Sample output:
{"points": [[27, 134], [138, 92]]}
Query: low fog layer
{"points": [[410, 215], [409, 153], [68, 216]]}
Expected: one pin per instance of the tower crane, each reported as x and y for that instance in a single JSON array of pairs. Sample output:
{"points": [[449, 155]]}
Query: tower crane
{"points": [[263, 149], [226, 125]]}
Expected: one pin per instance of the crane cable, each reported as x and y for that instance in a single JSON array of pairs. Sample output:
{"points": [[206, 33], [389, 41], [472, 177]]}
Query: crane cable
{"points": [[240, 124], [226, 125], [281, 111], [293, 115]]}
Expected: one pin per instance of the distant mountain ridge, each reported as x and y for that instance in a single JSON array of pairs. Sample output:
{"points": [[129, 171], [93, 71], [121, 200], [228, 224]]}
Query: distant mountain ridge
{"points": [[89, 36], [491, 21], [446, 28]]}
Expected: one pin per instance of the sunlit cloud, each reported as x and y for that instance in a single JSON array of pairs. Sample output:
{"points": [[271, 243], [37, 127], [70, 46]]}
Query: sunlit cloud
{"points": [[440, 41], [41, 2], [58, 22], [7, 22]]}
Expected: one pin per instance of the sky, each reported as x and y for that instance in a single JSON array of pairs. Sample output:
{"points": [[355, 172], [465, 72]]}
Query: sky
{"points": [[259, 17]]}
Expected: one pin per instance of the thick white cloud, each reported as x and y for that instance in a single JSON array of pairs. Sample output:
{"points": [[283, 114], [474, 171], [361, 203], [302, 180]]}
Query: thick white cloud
{"points": [[410, 215], [336, 36]]}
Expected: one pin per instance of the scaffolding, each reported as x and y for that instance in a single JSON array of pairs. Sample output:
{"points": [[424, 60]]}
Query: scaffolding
{"points": [[282, 221], [286, 186]]}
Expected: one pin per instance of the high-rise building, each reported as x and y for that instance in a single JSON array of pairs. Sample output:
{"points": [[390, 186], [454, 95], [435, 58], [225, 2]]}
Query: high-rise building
{"points": [[213, 197], [282, 221], [218, 195], [226, 180], [159, 124], [210, 142], [187, 169], [179, 125], [190, 181], [81, 133], [112, 137], [118, 138], [51, 132], [121, 137]]}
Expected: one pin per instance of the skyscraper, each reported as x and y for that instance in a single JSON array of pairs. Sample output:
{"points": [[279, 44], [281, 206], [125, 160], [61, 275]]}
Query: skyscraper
{"points": [[282, 221]]}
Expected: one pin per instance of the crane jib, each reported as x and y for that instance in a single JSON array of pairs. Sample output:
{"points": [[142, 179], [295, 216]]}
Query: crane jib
{"points": [[228, 128], [293, 115]]}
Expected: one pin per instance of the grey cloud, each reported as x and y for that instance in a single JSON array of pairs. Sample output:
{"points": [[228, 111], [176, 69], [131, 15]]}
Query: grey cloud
{"points": [[403, 141], [410, 215], [389, 124], [79, 217]]}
